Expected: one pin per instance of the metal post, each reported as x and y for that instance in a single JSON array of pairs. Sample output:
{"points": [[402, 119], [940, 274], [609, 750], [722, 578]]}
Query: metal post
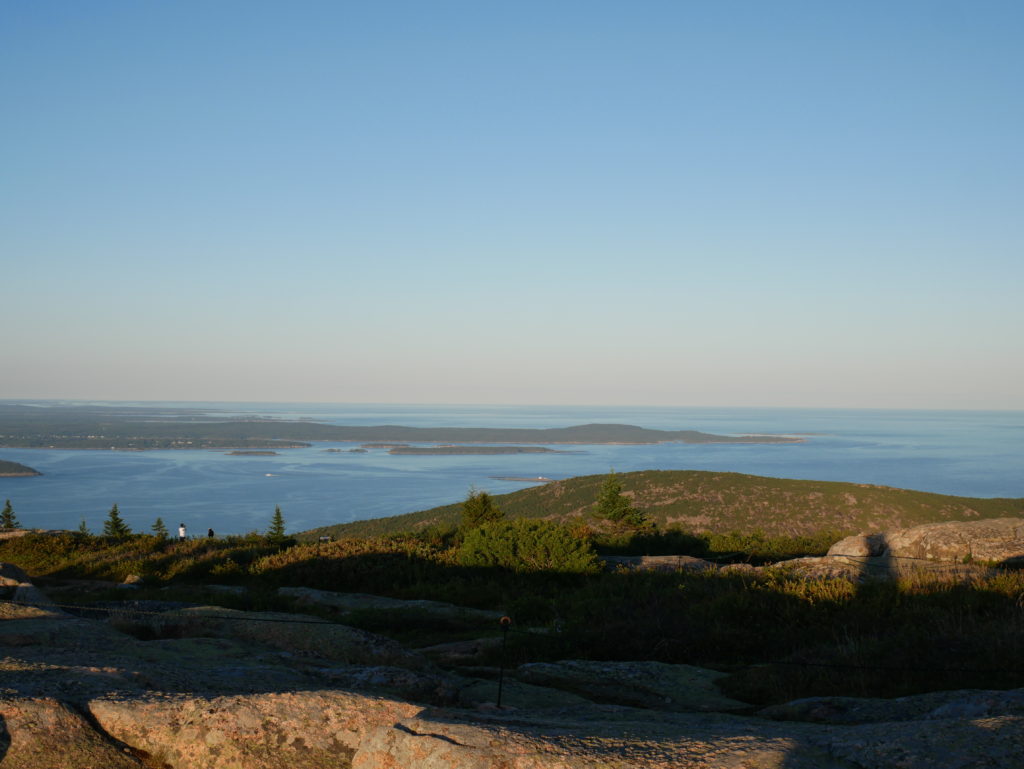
{"points": [[506, 622]]}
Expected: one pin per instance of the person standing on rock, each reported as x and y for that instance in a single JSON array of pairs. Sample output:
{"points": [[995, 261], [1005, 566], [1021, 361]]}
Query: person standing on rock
{"points": [[209, 533], [182, 534]]}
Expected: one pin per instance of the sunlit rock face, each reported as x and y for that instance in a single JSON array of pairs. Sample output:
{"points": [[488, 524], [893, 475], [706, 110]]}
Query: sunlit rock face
{"points": [[996, 540]]}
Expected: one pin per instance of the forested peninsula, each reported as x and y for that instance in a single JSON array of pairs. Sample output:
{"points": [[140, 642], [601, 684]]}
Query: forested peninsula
{"points": [[137, 428], [16, 470]]}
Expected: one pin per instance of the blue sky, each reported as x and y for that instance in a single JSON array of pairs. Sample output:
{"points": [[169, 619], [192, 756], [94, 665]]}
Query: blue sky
{"points": [[671, 203]]}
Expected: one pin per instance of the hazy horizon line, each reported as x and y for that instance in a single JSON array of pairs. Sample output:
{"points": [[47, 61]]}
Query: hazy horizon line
{"points": [[465, 404]]}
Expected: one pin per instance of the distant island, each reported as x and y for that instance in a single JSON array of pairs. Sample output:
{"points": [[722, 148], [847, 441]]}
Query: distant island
{"points": [[139, 427], [252, 453], [16, 470], [473, 450]]}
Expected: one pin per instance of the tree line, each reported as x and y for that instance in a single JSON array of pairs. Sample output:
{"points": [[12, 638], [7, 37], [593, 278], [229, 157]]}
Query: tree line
{"points": [[116, 528]]}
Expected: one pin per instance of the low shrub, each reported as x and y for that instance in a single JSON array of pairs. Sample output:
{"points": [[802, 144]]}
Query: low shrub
{"points": [[526, 545]]}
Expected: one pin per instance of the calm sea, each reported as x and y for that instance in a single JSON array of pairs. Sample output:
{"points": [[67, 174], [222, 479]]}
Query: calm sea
{"points": [[969, 453]]}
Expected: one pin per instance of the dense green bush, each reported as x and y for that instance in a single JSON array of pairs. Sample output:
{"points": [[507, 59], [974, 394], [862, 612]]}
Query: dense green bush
{"points": [[759, 548], [527, 545]]}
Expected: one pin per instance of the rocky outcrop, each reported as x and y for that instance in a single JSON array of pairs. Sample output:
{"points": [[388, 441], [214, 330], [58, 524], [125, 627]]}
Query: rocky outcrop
{"points": [[78, 693], [955, 548], [349, 602], [483, 693], [997, 540], [623, 738], [15, 585], [456, 653], [656, 685], [284, 730], [859, 546], [432, 686], [42, 733], [584, 739], [331, 729], [967, 704], [293, 633], [50, 653], [878, 554]]}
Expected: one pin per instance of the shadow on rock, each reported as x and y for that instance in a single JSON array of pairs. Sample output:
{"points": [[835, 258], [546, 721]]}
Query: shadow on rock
{"points": [[5, 738]]}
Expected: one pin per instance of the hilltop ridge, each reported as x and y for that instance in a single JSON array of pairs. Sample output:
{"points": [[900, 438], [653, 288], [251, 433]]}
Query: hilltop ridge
{"points": [[701, 501]]}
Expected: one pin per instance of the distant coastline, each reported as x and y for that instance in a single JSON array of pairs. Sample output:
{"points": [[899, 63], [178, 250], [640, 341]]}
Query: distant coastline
{"points": [[139, 428], [483, 450], [975, 455]]}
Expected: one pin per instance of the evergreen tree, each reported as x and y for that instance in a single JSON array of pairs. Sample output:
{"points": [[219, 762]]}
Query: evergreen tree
{"points": [[7, 517], [83, 529], [275, 533], [612, 505], [115, 527], [159, 529], [479, 509]]}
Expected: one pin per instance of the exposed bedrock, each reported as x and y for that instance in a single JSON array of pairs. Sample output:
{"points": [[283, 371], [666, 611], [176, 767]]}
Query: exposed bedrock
{"points": [[998, 540]]}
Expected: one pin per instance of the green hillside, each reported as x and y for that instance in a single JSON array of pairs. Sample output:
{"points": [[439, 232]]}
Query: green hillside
{"points": [[720, 502]]}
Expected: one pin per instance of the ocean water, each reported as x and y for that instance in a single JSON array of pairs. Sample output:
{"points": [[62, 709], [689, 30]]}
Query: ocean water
{"points": [[968, 453]]}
